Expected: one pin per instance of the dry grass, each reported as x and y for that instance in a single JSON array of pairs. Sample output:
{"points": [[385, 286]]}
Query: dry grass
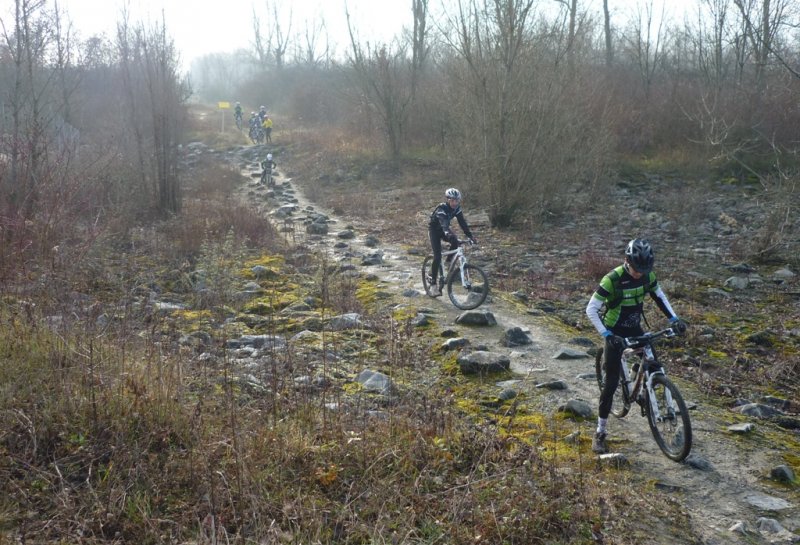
{"points": [[116, 438]]}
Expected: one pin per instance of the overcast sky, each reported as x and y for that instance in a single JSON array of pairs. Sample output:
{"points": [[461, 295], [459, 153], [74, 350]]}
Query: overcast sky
{"points": [[206, 26]]}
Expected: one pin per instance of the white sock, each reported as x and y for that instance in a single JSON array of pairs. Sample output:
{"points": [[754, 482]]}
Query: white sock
{"points": [[601, 425]]}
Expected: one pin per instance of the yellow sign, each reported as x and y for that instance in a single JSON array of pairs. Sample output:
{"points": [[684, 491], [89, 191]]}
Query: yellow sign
{"points": [[224, 105]]}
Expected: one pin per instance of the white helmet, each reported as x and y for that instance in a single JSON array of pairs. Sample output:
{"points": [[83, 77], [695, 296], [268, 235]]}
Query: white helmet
{"points": [[269, 157], [452, 193]]}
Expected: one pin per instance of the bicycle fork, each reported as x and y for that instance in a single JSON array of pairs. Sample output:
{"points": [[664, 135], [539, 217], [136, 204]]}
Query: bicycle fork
{"points": [[465, 280], [668, 402]]}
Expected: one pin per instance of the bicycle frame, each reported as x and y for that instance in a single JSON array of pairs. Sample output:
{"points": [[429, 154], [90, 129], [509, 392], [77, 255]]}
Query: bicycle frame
{"points": [[459, 260], [647, 366], [467, 284]]}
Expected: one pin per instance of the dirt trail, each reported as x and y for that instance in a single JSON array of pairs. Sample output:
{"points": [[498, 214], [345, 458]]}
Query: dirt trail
{"points": [[716, 497]]}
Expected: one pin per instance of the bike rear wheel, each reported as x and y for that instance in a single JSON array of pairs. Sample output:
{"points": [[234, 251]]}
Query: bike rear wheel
{"points": [[472, 292], [671, 426], [618, 407], [426, 271]]}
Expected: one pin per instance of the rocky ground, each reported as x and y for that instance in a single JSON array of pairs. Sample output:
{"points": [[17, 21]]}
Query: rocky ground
{"points": [[730, 485]]}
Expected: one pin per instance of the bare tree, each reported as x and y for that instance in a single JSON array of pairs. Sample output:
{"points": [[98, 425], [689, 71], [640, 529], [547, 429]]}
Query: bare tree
{"points": [[607, 34], [272, 39], [63, 61], [762, 29], [261, 43], [309, 52], [27, 41], [387, 78], [711, 42], [522, 133], [127, 49], [645, 40], [155, 97], [166, 98], [759, 36], [419, 41], [572, 15]]}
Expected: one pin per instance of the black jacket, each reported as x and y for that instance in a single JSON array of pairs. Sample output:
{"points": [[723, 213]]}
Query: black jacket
{"points": [[440, 220]]}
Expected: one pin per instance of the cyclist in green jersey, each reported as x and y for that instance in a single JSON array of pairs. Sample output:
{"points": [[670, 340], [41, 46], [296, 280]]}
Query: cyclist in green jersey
{"points": [[622, 293]]}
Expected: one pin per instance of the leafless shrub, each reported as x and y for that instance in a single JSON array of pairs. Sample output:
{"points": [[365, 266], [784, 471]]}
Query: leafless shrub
{"points": [[524, 136], [777, 236], [593, 265]]}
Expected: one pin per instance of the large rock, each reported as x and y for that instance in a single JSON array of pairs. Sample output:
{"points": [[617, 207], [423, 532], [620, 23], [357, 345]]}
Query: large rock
{"points": [[476, 317], [374, 381], [570, 354], [345, 321], [317, 228], [375, 258], [515, 336], [576, 407], [483, 362], [758, 410]]}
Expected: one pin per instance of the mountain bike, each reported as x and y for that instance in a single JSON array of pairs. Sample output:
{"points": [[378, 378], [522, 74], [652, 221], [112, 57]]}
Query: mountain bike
{"points": [[646, 384], [256, 135], [267, 177], [467, 284]]}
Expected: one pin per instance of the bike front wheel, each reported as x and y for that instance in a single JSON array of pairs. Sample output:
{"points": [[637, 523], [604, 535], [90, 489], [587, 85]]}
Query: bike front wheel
{"points": [[618, 406], [468, 292], [669, 419]]}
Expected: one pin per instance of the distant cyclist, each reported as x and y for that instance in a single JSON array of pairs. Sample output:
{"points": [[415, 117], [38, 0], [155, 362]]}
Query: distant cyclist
{"points": [[267, 126], [439, 229], [237, 116], [267, 166], [253, 122]]}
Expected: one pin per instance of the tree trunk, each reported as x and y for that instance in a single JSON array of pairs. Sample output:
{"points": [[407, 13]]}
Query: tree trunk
{"points": [[607, 31]]}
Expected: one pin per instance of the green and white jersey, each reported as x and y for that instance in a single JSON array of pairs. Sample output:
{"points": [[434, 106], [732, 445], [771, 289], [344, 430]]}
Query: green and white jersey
{"points": [[623, 297]]}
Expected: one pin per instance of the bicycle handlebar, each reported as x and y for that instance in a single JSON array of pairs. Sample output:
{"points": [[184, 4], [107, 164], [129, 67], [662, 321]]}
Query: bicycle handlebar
{"points": [[647, 338]]}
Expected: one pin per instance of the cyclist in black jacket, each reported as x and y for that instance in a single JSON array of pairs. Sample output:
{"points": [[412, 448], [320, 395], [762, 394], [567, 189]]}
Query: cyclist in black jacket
{"points": [[439, 229]]}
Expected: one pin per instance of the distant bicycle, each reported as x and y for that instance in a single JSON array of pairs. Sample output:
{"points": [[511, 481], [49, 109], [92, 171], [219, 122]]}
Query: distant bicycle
{"points": [[646, 384], [467, 284], [238, 117], [267, 177], [256, 135]]}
